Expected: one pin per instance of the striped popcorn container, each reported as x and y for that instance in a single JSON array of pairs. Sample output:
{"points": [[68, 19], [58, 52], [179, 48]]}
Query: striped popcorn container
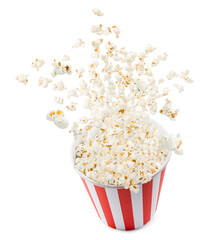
{"points": [[122, 209]]}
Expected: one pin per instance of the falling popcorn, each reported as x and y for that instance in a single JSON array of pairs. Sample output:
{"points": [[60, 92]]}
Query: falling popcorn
{"points": [[57, 117], [179, 87], [79, 43], [38, 64], [71, 106], [97, 12], [59, 100], [60, 68], [117, 143], [66, 58], [168, 111], [42, 81], [22, 78], [173, 143], [59, 86], [72, 93]]}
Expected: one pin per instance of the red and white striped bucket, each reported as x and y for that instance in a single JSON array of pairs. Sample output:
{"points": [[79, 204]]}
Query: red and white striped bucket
{"points": [[122, 209]]}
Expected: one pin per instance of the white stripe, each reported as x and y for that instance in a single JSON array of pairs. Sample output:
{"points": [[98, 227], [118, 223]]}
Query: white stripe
{"points": [[155, 190], [114, 202], [137, 205], [96, 201]]}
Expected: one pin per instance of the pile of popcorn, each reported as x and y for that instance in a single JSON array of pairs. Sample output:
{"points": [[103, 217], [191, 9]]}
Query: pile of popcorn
{"points": [[118, 143]]}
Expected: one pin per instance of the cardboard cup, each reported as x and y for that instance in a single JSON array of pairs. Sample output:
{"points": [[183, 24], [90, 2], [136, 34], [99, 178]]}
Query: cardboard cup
{"points": [[122, 209]]}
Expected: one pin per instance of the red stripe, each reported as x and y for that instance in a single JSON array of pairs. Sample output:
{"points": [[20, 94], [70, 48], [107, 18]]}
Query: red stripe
{"points": [[101, 193], [161, 182], [126, 207], [147, 199], [85, 184]]}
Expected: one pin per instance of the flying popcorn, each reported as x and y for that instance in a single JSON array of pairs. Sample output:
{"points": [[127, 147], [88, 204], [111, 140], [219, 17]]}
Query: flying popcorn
{"points": [[117, 143], [38, 64], [22, 78], [57, 117], [168, 111], [80, 72], [79, 43], [173, 143], [60, 68], [59, 86], [72, 93], [179, 87], [66, 58], [59, 100], [43, 81], [97, 12], [71, 106]]}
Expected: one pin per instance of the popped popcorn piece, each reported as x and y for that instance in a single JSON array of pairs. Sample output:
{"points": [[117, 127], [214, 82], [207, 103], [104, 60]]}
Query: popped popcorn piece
{"points": [[71, 106], [171, 75], [97, 12], [179, 87], [100, 31], [80, 72], [43, 81], [168, 111], [161, 80], [149, 49], [58, 118], [60, 68], [79, 43], [158, 59], [72, 93], [38, 64], [173, 143], [59, 100], [22, 78], [59, 86], [66, 58], [116, 30], [96, 44]]}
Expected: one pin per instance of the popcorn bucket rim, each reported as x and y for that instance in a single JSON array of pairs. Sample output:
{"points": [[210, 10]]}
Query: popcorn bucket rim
{"points": [[122, 187]]}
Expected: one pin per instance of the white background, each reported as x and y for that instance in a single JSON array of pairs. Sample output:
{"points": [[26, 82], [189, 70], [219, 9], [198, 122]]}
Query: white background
{"points": [[41, 196]]}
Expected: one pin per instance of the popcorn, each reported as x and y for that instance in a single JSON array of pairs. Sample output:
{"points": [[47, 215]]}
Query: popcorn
{"points": [[72, 93], [97, 12], [43, 81], [71, 106], [158, 59], [168, 111], [59, 100], [100, 31], [59, 86], [80, 72], [60, 68], [57, 117], [173, 143], [149, 49], [179, 87], [79, 43], [66, 58], [22, 78], [182, 75], [38, 64], [117, 143], [116, 30], [161, 80], [96, 44], [171, 75]]}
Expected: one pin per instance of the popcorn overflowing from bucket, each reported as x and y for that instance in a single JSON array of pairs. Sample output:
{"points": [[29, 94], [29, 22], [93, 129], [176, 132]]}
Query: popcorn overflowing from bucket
{"points": [[118, 143]]}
